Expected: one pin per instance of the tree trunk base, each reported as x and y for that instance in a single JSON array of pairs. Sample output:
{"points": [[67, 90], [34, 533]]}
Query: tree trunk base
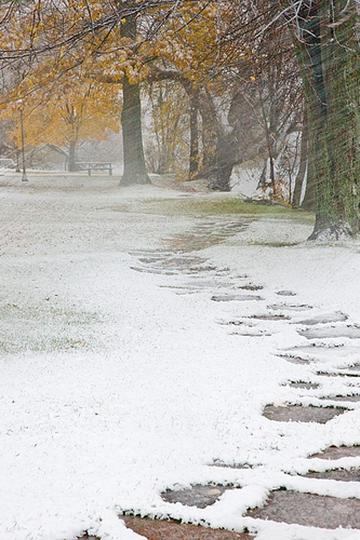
{"points": [[214, 186], [135, 180], [221, 181], [329, 232]]}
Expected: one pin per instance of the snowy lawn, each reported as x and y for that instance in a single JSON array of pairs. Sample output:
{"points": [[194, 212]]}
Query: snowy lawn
{"points": [[113, 389]]}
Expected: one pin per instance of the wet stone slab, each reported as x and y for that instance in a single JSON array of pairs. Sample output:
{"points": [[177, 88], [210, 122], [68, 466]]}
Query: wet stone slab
{"points": [[235, 298], [152, 252], [343, 475], [354, 398], [323, 348], [221, 272], [270, 317], [303, 385], [338, 452], [183, 261], [346, 331], [294, 359], [151, 260], [197, 495], [349, 372], [310, 510], [199, 269], [324, 318], [298, 353], [175, 287], [170, 530], [236, 322], [285, 293], [252, 333], [214, 284], [298, 413], [355, 368], [145, 270], [350, 375], [289, 307], [196, 241], [220, 463], [251, 287]]}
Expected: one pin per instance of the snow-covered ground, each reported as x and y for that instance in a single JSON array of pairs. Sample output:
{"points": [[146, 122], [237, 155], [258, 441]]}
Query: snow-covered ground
{"points": [[113, 388]]}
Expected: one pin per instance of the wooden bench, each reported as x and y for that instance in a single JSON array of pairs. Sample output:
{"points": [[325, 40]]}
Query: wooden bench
{"points": [[90, 166]]}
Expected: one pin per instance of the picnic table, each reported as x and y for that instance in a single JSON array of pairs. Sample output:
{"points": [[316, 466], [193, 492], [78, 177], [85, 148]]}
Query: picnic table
{"points": [[90, 166]]}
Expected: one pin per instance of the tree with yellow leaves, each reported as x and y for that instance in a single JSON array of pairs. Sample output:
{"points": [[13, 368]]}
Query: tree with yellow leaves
{"points": [[73, 110]]}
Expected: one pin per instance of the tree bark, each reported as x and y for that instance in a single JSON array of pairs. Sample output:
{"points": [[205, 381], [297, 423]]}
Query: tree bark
{"points": [[72, 156], [194, 136], [220, 181], [329, 60], [300, 177], [219, 148], [208, 139], [269, 143], [134, 159], [314, 156]]}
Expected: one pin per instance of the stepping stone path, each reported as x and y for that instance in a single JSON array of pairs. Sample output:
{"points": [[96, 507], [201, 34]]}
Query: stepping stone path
{"points": [[299, 413], [219, 463], [270, 317], [152, 271], [251, 287], [353, 398], [348, 374], [197, 495], [236, 323], [179, 258], [348, 331], [252, 333], [337, 316], [170, 530], [343, 475], [211, 284], [304, 385], [338, 452], [310, 510], [353, 371], [235, 298], [294, 359], [289, 307], [286, 293], [355, 367]]}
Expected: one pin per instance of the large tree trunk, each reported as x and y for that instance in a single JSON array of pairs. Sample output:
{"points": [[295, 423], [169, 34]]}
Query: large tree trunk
{"points": [[220, 180], [330, 64], [208, 138], [134, 160], [300, 177], [194, 137], [269, 144], [218, 152], [312, 170], [72, 156]]}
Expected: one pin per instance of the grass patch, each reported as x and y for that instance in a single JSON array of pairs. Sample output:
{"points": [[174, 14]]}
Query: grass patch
{"points": [[47, 314], [218, 206], [273, 244], [46, 328], [41, 345]]}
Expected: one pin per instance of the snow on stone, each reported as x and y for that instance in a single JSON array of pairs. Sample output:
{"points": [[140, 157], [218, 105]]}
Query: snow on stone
{"points": [[114, 389]]}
